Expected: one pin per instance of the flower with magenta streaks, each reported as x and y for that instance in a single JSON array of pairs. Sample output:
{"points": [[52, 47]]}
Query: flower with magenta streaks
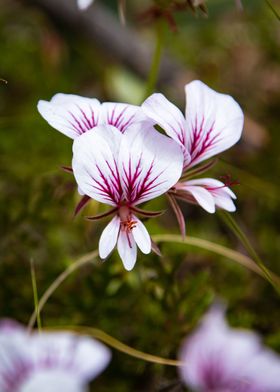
{"points": [[124, 170], [74, 115], [222, 359], [48, 362], [213, 123]]}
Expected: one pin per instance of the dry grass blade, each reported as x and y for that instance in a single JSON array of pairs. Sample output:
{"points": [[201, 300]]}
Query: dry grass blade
{"points": [[218, 249]]}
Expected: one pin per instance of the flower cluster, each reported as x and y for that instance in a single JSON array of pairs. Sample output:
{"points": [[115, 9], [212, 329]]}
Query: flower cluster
{"points": [[48, 362], [122, 160]]}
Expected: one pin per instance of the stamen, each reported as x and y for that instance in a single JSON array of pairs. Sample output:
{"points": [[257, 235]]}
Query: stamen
{"points": [[128, 226], [228, 182]]}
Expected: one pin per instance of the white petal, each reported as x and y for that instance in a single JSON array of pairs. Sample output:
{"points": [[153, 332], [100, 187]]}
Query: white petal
{"points": [[127, 249], [95, 156], [120, 115], [141, 236], [214, 120], [169, 117], [84, 356], [201, 195], [83, 4], [109, 237], [216, 354], [70, 114], [222, 194], [151, 164], [51, 380]]}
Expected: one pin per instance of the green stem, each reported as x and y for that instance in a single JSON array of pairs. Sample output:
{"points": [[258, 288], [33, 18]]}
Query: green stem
{"points": [[273, 9], [35, 295], [57, 282], [118, 345], [233, 225], [191, 241], [154, 71]]}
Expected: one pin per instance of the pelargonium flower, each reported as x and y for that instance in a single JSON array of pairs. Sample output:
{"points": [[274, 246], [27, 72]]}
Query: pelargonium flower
{"points": [[213, 123], [124, 170], [84, 4], [219, 358], [48, 362], [74, 115]]}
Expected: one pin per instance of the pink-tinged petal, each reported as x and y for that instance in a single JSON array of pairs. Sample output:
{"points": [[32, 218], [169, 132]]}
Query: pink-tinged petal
{"points": [[95, 168], [82, 356], [214, 121], [141, 236], [221, 358], [202, 196], [109, 237], [127, 249], [84, 4], [151, 164], [170, 119], [70, 114], [221, 193], [54, 380], [121, 115]]}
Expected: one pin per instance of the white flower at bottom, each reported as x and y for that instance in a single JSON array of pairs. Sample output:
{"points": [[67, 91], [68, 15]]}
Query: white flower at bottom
{"points": [[48, 362], [222, 359]]}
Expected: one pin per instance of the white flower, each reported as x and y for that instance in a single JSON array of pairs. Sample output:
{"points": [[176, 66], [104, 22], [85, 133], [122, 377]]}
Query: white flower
{"points": [[124, 170], [48, 362], [219, 358], [213, 123], [74, 115]]}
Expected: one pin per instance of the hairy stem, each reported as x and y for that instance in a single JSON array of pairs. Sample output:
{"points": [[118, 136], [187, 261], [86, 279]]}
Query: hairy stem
{"points": [[154, 70]]}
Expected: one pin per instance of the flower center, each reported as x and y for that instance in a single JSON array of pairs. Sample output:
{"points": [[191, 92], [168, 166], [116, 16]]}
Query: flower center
{"points": [[127, 223]]}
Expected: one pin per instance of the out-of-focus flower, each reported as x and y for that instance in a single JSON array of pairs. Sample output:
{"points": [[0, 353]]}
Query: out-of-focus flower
{"points": [[124, 170], [84, 4], [222, 359], [74, 115], [213, 123], [48, 362]]}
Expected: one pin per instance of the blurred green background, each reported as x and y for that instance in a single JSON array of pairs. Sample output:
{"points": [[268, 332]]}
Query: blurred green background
{"points": [[153, 307]]}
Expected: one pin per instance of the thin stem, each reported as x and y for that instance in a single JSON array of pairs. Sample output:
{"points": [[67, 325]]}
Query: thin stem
{"points": [[273, 9], [154, 71], [122, 347], [218, 249], [233, 225], [35, 295], [57, 282]]}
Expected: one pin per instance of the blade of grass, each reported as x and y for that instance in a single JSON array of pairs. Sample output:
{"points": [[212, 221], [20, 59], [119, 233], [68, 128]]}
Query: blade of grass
{"points": [[220, 250], [192, 241], [273, 9], [236, 229], [35, 294], [57, 282]]}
